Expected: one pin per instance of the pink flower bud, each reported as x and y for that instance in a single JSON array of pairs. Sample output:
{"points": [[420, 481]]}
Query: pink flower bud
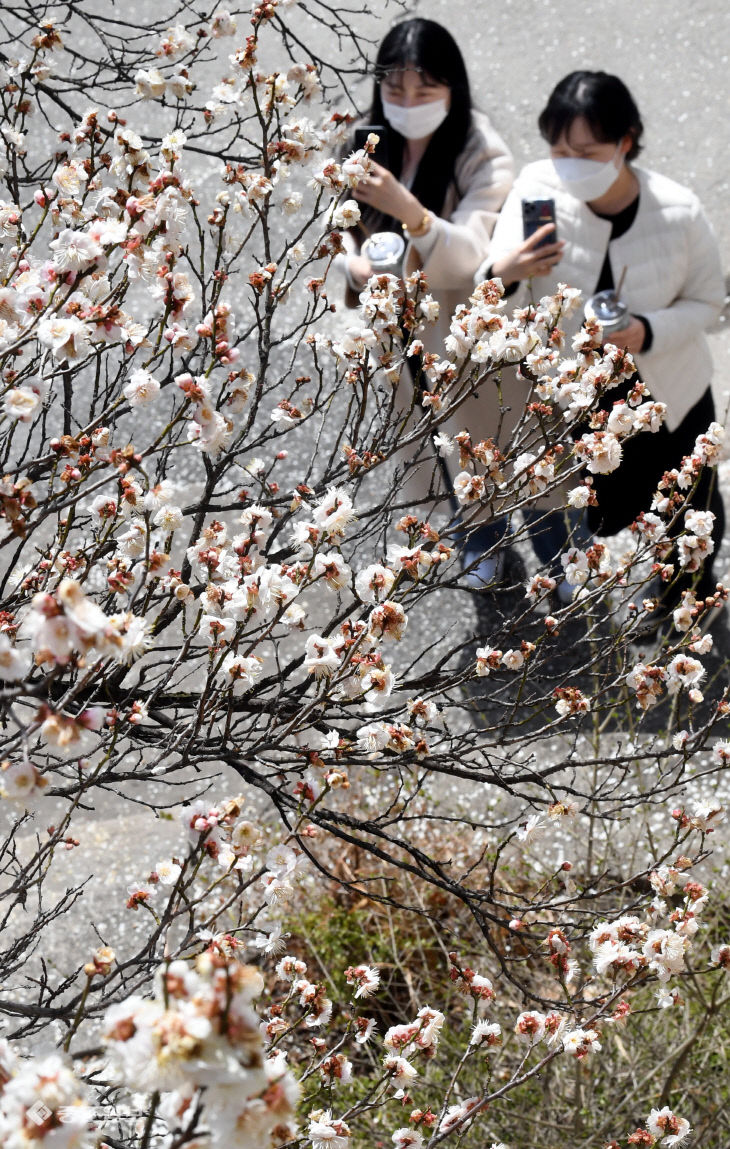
{"points": [[93, 718]]}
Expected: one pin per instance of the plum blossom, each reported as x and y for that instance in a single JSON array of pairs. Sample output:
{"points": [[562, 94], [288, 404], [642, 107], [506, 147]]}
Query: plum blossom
{"points": [[373, 737], [149, 83], [333, 513], [374, 583], [510, 344], [168, 872], [530, 1026], [67, 336], [14, 663], [684, 671], [513, 659], [664, 950], [70, 177], [74, 250], [695, 548], [535, 474], [579, 497], [456, 1114], [407, 1139], [699, 523], [413, 561], [272, 942], [534, 827], [10, 218], [142, 388], [648, 683], [168, 518], [570, 701], [581, 1042], [468, 488], [388, 620], [43, 1103], [241, 672], [21, 782], [22, 403], [290, 968], [576, 567], [325, 1132], [346, 215], [322, 656], [720, 956], [428, 308], [669, 1129], [486, 1033], [71, 621], [366, 978], [423, 712], [378, 683], [707, 816], [330, 566], [601, 450], [400, 1071]]}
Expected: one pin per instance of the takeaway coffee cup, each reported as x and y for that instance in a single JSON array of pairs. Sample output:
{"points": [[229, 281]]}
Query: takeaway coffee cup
{"points": [[385, 251], [608, 309]]}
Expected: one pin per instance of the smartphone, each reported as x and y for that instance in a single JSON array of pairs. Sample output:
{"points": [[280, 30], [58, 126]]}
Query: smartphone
{"points": [[535, 213], [380, 155]]}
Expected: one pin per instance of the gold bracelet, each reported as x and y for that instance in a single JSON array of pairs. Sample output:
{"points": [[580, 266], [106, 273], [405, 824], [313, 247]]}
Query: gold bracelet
{"points": [[423, 228]]}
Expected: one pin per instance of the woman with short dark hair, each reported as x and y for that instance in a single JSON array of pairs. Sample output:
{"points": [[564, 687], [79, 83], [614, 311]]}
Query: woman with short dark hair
{"points": [[620, 226], [603, 101]]}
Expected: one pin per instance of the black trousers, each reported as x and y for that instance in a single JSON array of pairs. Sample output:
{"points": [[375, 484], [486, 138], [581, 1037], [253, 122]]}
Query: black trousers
{"points": [[626, 492]]}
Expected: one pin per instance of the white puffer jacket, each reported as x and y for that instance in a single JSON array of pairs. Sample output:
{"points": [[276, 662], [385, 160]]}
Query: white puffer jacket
{"points": [[673, 273]]}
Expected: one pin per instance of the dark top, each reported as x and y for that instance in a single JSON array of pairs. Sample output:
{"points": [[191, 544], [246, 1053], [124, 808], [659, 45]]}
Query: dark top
{"points": [[620, 224]]}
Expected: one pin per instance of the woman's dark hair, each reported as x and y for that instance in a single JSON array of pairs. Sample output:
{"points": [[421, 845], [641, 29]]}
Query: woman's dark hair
{"points": [[427, 47], [602, 100]]}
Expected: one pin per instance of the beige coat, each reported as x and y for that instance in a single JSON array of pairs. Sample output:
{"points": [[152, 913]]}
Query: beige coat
{"points": [[450, 254], [458, 241]]}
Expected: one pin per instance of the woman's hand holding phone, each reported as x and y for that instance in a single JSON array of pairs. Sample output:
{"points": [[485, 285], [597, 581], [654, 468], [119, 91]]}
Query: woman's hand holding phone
{"points": [[532, 257], [381, 190]]}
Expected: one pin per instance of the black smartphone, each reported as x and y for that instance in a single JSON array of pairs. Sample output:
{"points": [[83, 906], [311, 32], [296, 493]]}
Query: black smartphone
{"points": [[535, 213], [380, 155]]}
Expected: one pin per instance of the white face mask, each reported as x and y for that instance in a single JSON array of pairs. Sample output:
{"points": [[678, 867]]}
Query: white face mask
{"points": [[417, 122], [587, 179]]}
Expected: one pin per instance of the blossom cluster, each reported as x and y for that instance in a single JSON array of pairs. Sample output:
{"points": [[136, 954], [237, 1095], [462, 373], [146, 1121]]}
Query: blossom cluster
{"points": [[197, 1039]]}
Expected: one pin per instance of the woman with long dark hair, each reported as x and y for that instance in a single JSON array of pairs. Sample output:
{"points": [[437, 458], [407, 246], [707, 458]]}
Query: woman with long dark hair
{"points": [[447, 177], [448, 170], [622, 227]]}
